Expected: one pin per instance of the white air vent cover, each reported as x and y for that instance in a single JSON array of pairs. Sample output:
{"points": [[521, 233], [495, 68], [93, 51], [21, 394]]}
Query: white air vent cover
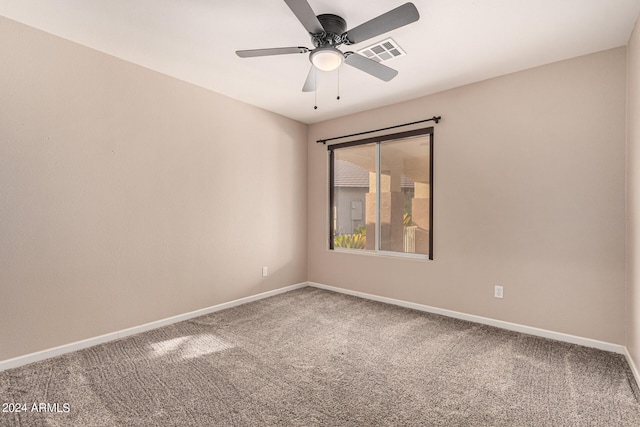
{"points": [[382, 51]]}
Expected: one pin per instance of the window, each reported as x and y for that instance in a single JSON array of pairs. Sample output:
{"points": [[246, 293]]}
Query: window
{"points": [[381, 194]]}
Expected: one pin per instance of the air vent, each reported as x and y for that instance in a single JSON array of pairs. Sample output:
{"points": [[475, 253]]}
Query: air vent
{"points": [[382, 51]]}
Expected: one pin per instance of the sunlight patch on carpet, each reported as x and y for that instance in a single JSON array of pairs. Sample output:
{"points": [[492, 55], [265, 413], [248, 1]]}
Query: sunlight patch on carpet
{"points": [[190, 346]]}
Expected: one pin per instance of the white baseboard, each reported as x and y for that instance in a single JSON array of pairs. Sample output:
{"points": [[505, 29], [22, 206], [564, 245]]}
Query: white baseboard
{"points": [[587, 342], [79, 345], [632, 365]]}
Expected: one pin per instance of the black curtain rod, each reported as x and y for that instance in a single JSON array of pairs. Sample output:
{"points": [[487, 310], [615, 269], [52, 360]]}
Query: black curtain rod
{"points": [[434, 119]]}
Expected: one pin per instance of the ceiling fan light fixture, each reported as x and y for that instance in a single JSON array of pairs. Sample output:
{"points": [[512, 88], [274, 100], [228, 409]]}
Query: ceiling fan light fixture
{"points": [[326, 58]]}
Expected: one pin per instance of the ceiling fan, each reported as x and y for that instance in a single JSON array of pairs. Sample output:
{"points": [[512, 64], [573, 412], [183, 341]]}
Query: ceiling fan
{"points": [[327, 32]]}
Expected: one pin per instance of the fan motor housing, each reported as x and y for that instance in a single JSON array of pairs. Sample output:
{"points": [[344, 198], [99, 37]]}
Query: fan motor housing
{"points": [[334, 26]]}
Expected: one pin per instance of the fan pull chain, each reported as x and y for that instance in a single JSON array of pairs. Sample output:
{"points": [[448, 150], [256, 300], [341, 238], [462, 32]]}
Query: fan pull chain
{"points": [[315, 90]]}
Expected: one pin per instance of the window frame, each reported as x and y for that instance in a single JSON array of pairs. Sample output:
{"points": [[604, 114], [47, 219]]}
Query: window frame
{"points": [[379, 140]]}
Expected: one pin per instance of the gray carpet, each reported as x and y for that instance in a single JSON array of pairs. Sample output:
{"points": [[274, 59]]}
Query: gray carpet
{"points": [[313, 357]]}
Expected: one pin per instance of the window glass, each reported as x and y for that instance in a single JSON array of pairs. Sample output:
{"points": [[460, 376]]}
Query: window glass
{"points": [[404, 195], [354, 209]]}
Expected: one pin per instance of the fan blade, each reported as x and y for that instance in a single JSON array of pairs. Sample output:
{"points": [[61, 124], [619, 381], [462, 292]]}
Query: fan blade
{"points": [[310, 83], [271, 51], [396, 18], [305, 15], [371, 67]]}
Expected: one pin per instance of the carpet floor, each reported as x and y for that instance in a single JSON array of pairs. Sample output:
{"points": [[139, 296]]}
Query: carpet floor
{"points": [[313, 357]]}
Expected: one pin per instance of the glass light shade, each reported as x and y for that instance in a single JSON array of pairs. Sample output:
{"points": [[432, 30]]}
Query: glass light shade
{"points": [[326, 58]]}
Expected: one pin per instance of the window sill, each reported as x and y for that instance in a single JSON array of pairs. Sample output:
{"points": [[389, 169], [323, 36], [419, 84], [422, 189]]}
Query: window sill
{"points": [[384, 254]]}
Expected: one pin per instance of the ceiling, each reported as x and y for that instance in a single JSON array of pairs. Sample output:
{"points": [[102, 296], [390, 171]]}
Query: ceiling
{"points": [[455, 42]]}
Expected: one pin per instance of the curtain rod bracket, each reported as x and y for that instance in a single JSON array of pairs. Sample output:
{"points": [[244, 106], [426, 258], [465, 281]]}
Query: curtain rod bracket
{"points": [[432, 119]]}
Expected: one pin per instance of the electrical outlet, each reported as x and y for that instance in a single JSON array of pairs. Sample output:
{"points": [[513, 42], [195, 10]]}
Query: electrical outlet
{"points": [[264, 272], [498, 292]]}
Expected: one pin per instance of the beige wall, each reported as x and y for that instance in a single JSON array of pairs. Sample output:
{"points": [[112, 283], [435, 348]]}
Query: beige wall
{"points": [[127, 196], [633, 195], [529, 194]]}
